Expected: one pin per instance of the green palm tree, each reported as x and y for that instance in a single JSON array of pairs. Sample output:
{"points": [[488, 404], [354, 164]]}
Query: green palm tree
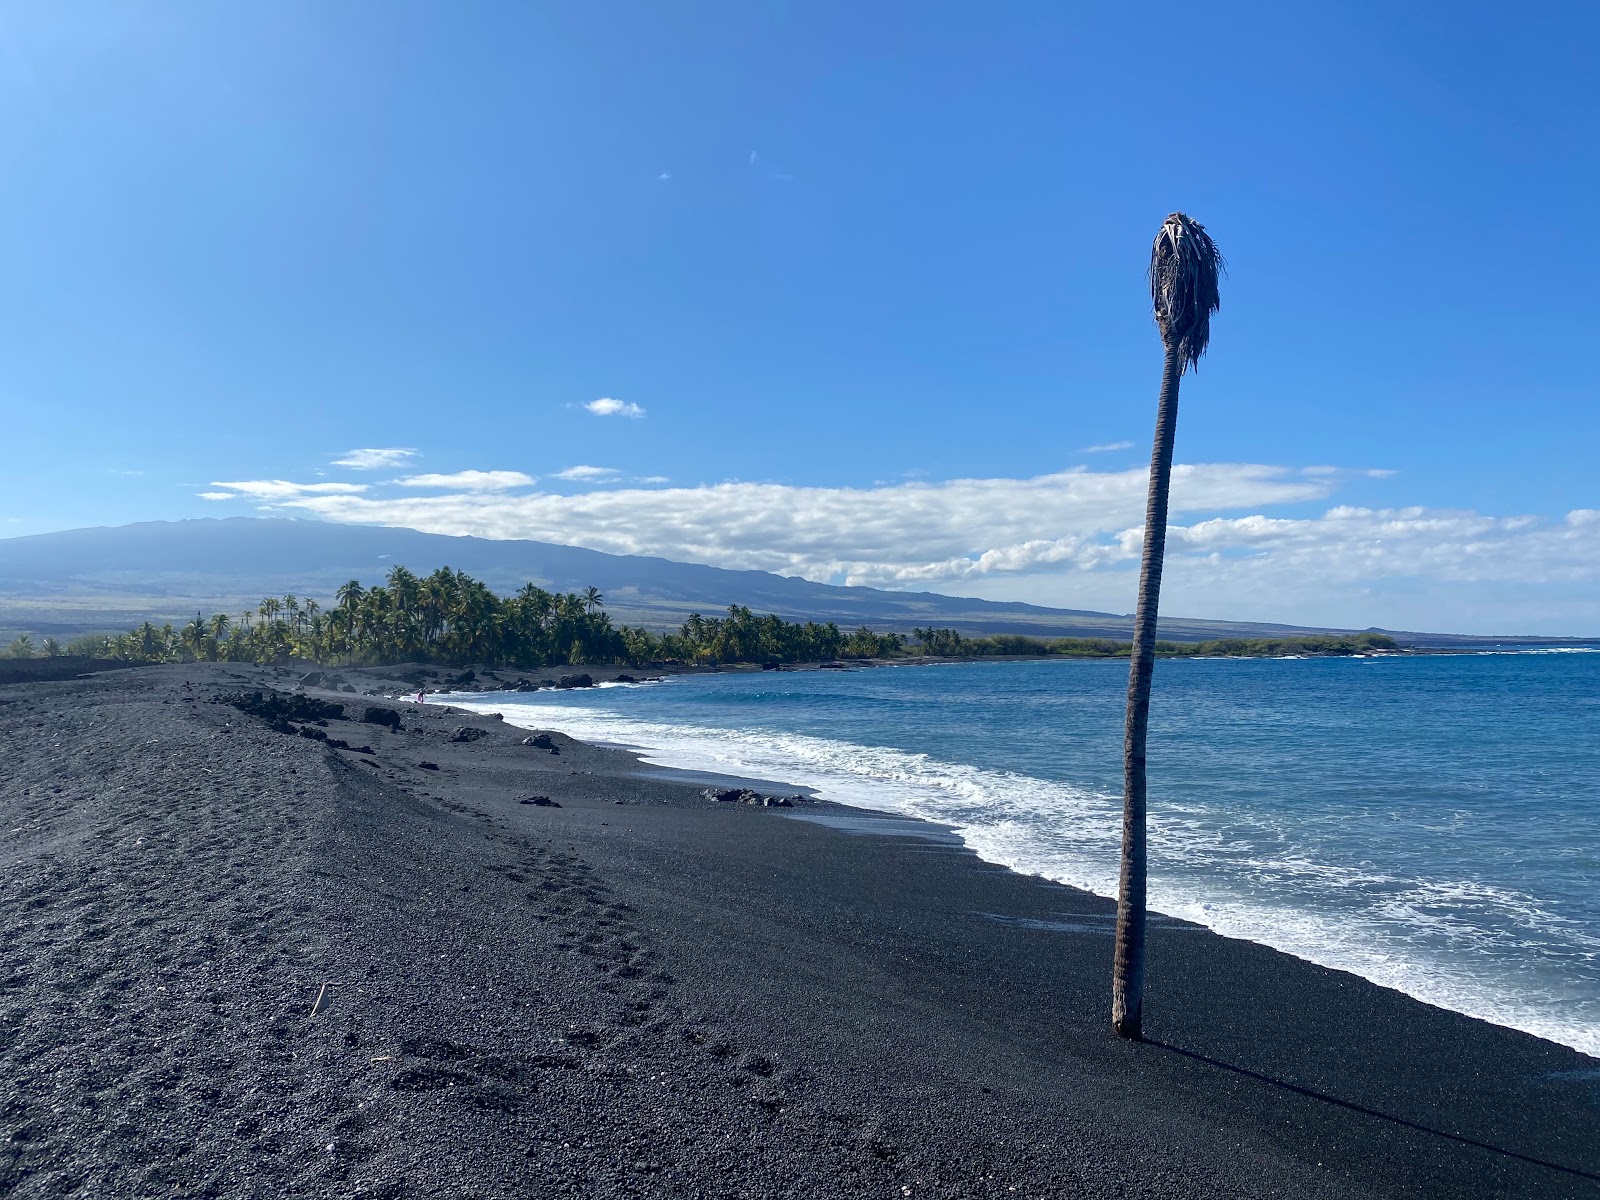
{"points": [[592, 599], [1184, 265], [349, 594], [193, 638]]}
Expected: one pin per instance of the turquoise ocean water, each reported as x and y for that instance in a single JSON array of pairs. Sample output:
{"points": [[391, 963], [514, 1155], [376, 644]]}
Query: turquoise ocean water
{"points": [[1430, 823]]}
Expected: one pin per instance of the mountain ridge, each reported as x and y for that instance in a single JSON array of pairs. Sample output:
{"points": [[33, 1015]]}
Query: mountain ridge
{"points": [[102, 577]]}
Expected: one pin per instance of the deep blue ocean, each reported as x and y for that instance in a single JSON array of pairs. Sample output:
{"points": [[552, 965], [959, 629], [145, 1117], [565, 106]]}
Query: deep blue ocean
{"points": [[1429, 823]]}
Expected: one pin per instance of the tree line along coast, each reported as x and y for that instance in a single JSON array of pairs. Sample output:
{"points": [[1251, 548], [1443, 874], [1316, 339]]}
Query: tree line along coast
{"points": [[450, 618]]}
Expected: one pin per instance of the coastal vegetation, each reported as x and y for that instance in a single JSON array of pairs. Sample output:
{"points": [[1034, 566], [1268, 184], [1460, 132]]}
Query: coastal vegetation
{"points": [[950, 643], [450, 618]]}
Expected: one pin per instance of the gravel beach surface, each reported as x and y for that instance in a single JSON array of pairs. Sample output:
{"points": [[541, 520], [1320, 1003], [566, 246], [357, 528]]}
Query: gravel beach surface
{"points": [[240, 960]]}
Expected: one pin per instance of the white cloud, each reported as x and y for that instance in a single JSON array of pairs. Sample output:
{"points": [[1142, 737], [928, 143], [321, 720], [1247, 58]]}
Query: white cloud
{"points": [[653, 479], [279, 489], [1070, 539], [587, 474], [907, 532], [1408, 568], [1105, 449], [471, 481], [607, 407], [374, 459], [664, 176]]}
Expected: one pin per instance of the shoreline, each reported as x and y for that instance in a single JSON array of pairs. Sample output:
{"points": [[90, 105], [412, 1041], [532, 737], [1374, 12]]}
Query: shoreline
{"points": [[634, 991], [867, 795]]}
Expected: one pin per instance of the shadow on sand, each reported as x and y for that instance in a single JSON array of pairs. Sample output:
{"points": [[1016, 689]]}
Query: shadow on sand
{"points": [[1312, 1094]]}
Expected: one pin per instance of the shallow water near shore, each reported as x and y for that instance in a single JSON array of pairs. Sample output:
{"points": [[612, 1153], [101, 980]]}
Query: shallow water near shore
{"points": [[1431, 824]]}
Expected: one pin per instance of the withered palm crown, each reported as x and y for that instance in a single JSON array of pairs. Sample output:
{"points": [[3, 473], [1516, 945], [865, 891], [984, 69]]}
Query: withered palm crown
{"points": [[1184, 264]]}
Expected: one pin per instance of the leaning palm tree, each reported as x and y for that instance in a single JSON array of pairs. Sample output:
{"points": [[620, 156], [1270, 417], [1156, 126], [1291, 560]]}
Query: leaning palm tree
{"points": [[592, 599], [1184, 265]]}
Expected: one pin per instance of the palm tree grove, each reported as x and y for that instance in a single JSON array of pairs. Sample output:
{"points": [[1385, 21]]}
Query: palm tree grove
{"points": [[450, 617]]}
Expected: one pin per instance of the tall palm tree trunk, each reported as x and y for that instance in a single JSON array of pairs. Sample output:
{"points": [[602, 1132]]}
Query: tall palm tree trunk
{"points": [[1184, 264], [1127, 980]]}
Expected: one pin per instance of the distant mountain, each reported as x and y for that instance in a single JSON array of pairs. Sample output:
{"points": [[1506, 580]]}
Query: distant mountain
{"points": [[112, 577]]}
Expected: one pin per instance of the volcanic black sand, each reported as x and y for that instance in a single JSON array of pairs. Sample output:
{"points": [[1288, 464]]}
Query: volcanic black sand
{"points": [[240, 962]]}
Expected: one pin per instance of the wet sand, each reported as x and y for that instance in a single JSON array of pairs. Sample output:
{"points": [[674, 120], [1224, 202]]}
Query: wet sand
{"points": [[240, 962]]}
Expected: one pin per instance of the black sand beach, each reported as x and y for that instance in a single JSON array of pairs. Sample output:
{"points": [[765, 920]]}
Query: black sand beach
{"points": [[239, 962]]}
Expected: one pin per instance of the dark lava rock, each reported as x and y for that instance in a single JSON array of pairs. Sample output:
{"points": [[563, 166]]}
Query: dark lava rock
{"points": [[277, 708], [467, 733], [833, 666], [381, 716], [772, 665], [312, 732], [746, 796], [543, 741], [575, 681], [323, 679], [541, 801], [428, 766], [626, 679]]}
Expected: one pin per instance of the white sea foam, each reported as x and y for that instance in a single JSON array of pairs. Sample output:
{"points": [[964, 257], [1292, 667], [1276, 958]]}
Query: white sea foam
{"points": [[1545, 650], [1407, 935]]}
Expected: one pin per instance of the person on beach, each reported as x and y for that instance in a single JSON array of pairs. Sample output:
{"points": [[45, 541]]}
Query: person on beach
{"points": [[422, 697]]}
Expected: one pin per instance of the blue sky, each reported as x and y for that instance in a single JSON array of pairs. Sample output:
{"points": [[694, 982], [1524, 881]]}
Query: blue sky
{"points": [[869, 276]]}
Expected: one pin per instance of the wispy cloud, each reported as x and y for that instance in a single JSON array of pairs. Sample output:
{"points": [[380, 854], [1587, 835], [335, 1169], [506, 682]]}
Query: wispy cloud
{"points": [[1071, 539], [583, 474], [753, 157], [279, 490], [653, 479], [664, 176], [608, 407], [375, 458], [471, 481], [905, 533], [1105, 449]]}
